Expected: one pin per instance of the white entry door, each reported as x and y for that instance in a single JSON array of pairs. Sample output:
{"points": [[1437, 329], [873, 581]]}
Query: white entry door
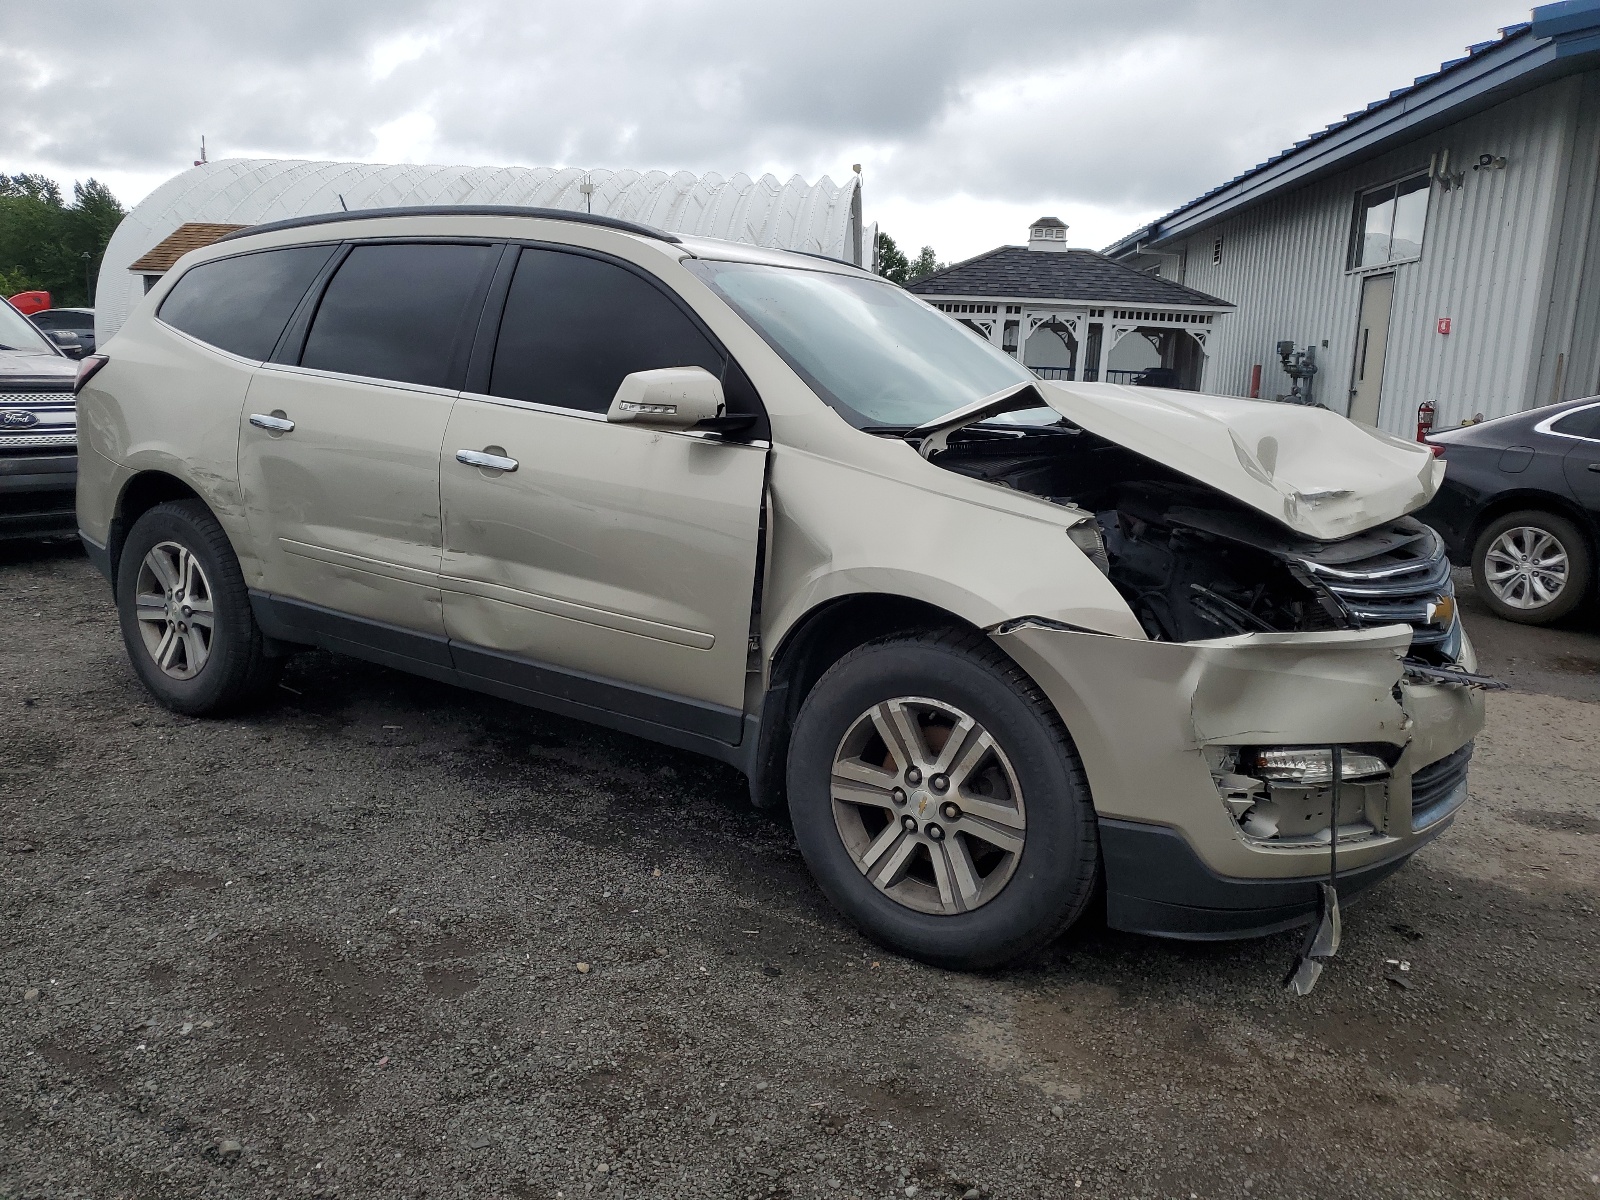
{"points": [[1372, 339]]}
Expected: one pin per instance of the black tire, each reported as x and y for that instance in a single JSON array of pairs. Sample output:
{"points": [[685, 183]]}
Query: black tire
{"points": [[1054, 876], [237, 669], [1580, 566]]}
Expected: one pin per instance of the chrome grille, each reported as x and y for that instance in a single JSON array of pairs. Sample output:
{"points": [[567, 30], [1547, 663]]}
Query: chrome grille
{"points": [[37, 441], [36, 399], [55, 421], [1406, 580]]}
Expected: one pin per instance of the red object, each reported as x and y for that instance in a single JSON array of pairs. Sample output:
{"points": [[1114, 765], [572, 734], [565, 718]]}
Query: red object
{"points": [[1255, 382], [1444, 325], [1425, 412], [1437, 448], [28, 303]]}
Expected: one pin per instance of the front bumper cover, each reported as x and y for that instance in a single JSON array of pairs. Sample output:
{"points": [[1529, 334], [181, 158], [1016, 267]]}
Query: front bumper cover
{"points": [[1156, 884], [38, 495], [1143, 713]]}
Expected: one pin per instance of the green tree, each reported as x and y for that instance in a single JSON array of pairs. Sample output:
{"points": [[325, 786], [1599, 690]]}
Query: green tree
{"points": [[49, 245], [894, 266], [925, 263], [892, 262]]}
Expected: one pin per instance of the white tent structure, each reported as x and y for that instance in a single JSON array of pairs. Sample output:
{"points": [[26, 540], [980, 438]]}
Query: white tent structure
{"points": [[820, 218]]}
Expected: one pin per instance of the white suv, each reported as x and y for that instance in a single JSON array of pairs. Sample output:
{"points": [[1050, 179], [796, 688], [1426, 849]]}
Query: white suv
{"points": [[992, 640]]}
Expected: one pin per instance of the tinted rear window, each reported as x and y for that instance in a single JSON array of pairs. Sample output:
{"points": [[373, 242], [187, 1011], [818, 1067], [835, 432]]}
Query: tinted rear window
{"points": [[400, 312], [1583, 423], [575, 325], [56, 319], [242, 304]]}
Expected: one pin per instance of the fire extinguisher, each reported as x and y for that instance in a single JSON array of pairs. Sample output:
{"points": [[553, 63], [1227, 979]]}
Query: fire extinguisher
{"points": [[1424, 420]]}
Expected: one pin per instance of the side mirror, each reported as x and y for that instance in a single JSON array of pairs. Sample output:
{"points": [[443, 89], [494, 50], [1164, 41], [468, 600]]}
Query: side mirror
{"points": [[668, 398], [66, 341]]}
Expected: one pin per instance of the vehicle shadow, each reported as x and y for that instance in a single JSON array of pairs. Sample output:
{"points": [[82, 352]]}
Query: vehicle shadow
{"points": [[39, 551]]}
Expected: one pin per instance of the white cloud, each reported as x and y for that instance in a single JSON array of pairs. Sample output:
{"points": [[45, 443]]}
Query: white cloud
{"points": [[411, 138], [970, 119]]}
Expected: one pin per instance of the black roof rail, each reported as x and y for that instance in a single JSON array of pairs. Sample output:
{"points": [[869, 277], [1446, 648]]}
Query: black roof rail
{"points": [[455, 210]]}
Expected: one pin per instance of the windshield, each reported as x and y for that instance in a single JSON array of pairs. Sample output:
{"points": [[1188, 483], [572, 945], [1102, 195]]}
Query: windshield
{"points": [[871, 350], [18, 333]]}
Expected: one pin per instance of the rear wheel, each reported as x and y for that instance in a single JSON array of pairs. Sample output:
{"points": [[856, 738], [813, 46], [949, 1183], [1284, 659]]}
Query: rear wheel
{"points": [[940, 803], [1531, 567], [185, 613]]}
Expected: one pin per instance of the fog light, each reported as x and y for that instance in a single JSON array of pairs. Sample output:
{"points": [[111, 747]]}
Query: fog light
{"points": [[1313, 766]]}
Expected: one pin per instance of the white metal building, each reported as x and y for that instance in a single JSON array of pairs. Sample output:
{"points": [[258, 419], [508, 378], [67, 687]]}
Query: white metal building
{"points": [[1442, 244], [819, 218]]}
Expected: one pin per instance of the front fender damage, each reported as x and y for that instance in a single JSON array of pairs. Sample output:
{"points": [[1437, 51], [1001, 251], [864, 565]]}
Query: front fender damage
{"points": [[1142, 713]]}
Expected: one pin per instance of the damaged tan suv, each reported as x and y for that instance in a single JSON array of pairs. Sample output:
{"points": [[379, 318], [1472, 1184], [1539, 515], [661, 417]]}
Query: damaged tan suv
{"points": [[992, 640]]}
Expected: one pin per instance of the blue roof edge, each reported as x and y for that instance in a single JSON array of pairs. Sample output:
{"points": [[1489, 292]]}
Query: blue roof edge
{"points": [[1557, 34]]}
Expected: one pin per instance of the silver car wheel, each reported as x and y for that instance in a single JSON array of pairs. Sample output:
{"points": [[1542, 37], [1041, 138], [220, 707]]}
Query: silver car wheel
{"points": [[928, 805], [1526, 567], [174, 610]]}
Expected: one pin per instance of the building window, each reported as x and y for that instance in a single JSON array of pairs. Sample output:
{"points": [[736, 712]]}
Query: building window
{"points": [[1389, 223], [1216, 253]]}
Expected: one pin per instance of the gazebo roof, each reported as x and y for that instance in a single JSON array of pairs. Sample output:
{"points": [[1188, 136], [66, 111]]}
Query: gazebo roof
{"points": [[1015, 272]]}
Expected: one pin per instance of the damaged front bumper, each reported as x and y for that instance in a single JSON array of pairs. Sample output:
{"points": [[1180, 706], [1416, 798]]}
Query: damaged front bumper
{"points": [[1162, 726]]}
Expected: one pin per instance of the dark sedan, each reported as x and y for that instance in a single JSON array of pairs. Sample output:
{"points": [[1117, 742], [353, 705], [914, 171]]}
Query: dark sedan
{"points": [[1521, 505]]}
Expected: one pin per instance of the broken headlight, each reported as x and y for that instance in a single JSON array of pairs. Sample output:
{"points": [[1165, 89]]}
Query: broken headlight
{"points": [[1310, 766], [1284, 795]]}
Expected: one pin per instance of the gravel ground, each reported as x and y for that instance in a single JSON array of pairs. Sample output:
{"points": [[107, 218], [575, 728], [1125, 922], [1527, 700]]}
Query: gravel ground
{"points": [[389, 939]]}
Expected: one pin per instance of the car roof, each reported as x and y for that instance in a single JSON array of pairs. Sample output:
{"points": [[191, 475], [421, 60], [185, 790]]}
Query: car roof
{"points": [[722, 251], [452, 210], [697, 247]]}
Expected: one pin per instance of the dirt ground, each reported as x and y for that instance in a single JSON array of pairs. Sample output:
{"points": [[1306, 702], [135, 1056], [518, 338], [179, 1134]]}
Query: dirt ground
{"points": [[389, 939]]}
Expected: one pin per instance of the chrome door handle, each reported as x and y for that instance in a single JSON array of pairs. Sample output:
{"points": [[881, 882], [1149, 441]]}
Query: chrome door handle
{"points": [[276, 424], [1594, 466], [477, 458]]}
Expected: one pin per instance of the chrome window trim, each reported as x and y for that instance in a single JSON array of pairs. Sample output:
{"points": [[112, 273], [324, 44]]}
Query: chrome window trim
{"points": [[399, 385], [1544, 426]]}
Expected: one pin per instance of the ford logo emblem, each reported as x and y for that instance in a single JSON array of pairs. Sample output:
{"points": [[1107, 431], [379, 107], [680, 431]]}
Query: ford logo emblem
{"points": [[17, 418]]}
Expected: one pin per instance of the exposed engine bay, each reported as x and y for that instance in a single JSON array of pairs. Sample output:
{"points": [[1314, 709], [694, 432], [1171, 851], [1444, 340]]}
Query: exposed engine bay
{"points": [[1194, 563]]}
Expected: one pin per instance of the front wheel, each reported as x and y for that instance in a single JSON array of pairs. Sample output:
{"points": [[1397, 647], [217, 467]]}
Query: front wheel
{"points": [[939, 802], [1531, 567], [185, 613]]}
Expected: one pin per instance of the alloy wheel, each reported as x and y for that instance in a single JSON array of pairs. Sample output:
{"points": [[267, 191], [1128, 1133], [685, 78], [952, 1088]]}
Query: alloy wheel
{"points": [[928, 805], [174, 608], [1526, 567]]}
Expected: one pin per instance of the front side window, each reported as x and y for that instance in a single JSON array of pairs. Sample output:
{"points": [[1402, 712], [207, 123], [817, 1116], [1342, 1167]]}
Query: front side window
{"points": [[873, 352], [1389, 223], [401, 312], [574, 326], [242, 304]]}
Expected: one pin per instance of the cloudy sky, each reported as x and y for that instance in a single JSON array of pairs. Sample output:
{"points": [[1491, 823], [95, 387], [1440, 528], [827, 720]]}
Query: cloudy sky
{"points": [[969, 118]]}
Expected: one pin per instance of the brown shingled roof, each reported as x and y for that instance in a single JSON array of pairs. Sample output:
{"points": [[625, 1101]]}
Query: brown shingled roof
{"points": [[186, 237]]}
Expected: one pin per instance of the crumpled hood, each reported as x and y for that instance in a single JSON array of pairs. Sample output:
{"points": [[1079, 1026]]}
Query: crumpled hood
{"points": [[1322, 475]]}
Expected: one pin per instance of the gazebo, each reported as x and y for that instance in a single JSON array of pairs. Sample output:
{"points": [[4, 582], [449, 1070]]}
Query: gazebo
{"points": [[1068, 313]]}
